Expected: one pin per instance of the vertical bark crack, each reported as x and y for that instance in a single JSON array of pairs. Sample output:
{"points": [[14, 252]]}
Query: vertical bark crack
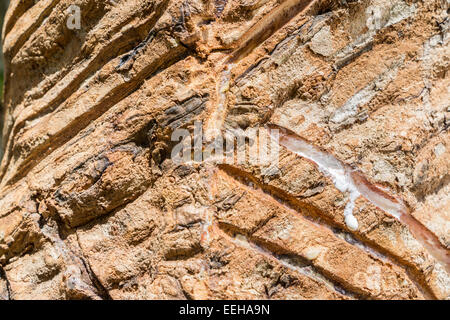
{"points": [[8, 285]]}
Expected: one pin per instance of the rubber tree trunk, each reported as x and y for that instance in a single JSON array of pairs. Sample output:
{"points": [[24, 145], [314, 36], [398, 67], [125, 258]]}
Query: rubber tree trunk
{"points": [[334, 184]]}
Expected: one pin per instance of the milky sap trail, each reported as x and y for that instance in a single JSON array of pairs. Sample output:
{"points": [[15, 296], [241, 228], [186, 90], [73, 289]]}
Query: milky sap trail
{"points": [[352, 181], [344, 178], [328, 165]]}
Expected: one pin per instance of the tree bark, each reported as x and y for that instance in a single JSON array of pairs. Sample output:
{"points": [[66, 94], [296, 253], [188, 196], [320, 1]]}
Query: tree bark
{"points": [[351, 204]]}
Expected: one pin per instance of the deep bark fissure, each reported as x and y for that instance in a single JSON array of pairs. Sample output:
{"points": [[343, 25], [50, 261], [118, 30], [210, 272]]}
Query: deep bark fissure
{"points": [[8, 285]]}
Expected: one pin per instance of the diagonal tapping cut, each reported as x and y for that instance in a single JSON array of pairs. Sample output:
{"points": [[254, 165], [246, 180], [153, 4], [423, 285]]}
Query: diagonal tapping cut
{"points": [[267, 26], [246, 238], [260, 233], [347, 179], [249, 243]]}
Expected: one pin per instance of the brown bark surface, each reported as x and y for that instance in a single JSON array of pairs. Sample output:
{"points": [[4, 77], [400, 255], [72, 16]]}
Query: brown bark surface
{"points": [[92, 206]]}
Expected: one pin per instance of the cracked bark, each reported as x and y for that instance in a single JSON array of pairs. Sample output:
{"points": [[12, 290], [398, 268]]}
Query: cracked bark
{"points": [[87, 175]]}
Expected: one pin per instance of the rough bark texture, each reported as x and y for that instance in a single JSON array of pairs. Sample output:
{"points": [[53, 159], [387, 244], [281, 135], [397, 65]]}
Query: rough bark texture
{"points": [[92, 206]]}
